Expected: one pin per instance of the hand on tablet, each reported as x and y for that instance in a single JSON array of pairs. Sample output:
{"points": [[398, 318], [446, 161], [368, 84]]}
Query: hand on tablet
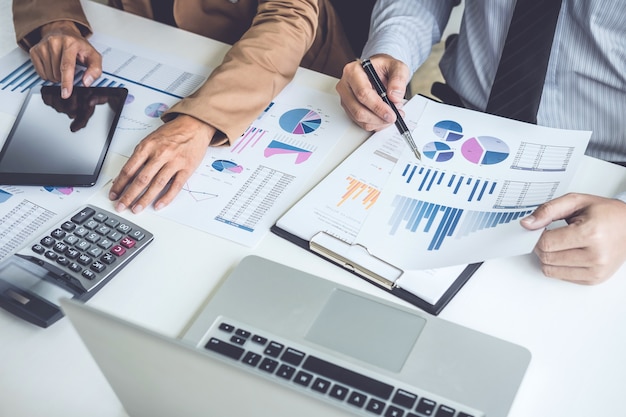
{"points": [[60, 48]]}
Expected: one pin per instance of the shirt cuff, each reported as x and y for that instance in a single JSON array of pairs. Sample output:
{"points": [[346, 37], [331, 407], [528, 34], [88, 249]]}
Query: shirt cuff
{"points": [[621, 196]]}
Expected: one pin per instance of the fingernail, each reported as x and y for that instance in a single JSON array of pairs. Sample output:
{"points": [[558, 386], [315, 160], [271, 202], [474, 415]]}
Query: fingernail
{"points": [[159, 206], [137, 208], [397, 93], [529, 219], [387, 117], [120, 207], [65, 93], [112, 196], [88, 80]]}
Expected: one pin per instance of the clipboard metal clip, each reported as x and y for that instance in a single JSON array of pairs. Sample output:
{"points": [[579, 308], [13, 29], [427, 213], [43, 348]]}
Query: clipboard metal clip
{"points": [[356, 258]]}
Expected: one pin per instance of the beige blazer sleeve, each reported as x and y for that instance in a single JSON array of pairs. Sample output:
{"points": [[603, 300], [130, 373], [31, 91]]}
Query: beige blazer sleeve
{"points": [[30, 15], [256, 68]]}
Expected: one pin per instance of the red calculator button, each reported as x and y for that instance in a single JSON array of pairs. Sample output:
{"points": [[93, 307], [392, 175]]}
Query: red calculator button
{"points": [[118, 250], [127, 242]]}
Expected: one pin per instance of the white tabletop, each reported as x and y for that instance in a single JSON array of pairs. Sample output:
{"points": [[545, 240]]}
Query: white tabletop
{"points": [[575, 333]]}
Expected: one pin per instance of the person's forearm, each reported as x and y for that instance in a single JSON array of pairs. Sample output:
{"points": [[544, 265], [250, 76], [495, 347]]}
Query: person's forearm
{"points": [[407, 29], [30, 16], [255, 69]]}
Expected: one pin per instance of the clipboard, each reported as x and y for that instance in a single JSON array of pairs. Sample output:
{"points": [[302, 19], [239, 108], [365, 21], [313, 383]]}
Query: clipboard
{"points": [[395, 222], [374, 271]]}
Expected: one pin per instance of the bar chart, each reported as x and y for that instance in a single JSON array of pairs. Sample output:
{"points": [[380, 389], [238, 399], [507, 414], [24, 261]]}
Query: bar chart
{"points": [[359, 191], [440, 222]]}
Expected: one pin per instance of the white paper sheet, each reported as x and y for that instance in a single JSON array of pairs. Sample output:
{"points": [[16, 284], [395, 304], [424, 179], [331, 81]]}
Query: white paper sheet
{"points": [[471, 162], [478, 177]]}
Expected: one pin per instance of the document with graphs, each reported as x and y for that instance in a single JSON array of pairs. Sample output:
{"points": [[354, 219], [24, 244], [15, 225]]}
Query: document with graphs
{"points": [[420, 228]]}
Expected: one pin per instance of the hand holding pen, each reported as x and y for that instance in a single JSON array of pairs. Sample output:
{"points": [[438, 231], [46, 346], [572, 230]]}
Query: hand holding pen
{"points": [[382, 92]]}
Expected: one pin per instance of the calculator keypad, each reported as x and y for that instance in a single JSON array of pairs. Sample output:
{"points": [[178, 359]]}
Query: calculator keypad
{"points": [[88, 248]]}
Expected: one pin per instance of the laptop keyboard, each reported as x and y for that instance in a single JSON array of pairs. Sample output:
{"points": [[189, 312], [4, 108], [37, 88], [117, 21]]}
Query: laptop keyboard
{"points": [[351, 390]]}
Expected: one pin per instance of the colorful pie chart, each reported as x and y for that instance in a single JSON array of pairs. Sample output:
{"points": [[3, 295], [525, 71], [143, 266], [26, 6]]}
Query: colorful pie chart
{"points": [[448, 130], [156, 109], [223, 165], [300, 121], [485, 150], [437, 151]]}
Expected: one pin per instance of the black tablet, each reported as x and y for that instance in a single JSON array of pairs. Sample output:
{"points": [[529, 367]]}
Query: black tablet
{"points": [[61, 142]]}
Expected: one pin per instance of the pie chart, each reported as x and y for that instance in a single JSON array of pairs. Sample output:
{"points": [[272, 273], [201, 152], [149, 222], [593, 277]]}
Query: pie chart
{"points": [[485, 150], [223, 165], [4, 196], [438, 151], [448, 130], [300, 121], [156, 109]]}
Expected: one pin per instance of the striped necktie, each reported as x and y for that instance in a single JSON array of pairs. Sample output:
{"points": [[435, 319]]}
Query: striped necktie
{"points": [[519, 80]]}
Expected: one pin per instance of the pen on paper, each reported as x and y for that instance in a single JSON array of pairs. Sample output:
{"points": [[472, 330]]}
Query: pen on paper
{"points": [[382, 92]]}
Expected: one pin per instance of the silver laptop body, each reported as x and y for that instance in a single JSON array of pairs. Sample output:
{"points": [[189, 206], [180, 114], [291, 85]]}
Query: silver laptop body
{"points": [[277, 341]]}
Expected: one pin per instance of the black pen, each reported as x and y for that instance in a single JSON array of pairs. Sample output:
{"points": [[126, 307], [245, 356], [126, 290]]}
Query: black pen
{"points": [[382, 92]]}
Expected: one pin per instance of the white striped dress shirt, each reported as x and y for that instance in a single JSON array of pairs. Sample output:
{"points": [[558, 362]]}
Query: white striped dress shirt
{"points": [[585, 85]]}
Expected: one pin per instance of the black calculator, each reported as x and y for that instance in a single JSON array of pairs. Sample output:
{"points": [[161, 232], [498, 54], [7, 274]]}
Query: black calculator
{"points": [[74, 259]]}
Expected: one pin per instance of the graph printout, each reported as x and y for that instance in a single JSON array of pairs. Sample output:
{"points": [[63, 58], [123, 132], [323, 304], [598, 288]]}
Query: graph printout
{"points": [[239, 191], [462, 203]]}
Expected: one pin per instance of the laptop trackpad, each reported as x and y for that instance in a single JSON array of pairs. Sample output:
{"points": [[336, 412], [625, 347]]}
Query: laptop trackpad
{"points": [[367, 330]]}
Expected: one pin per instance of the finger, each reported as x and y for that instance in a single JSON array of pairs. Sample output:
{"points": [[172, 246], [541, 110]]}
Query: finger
{"points": [[126, 175], [366, 107], [42, 64], [563, 238], [580, 265], [578, 275], [558, 209], [93, 70], [68, 68], [176, 184], [397, 79], [158, 183], [134, 189], [578, 257]]}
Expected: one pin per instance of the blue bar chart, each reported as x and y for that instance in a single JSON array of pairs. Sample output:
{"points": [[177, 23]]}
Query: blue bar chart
{"points": [[431, 179], [440, 222], [24, 77]]}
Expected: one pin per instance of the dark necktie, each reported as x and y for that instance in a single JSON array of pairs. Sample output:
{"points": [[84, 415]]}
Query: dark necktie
{"points": [[519, 80], [163, 11]]}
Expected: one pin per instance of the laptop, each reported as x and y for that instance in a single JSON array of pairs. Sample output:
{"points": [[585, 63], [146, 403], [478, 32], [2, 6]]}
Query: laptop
{"points": [[278, 341]]}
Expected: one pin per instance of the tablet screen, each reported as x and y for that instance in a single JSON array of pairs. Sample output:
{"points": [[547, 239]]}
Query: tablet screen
{"points": [[61, 142]]}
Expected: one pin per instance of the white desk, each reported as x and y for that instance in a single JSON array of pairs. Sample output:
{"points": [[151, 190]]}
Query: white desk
{"points": [[575, 333]]}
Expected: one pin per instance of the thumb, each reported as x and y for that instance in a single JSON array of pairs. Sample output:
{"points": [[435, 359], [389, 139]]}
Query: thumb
{"points": [[93, 63], [397, 79], [558, 209]]}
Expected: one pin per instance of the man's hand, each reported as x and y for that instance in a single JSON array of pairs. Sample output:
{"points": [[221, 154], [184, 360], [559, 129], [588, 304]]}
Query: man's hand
{"points": [[161, 164], [593, 244], [360, 100], [56, 54]]}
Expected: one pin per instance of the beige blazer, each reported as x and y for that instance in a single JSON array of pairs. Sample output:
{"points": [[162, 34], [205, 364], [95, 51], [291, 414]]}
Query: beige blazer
{"points": [[270, 40]]}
